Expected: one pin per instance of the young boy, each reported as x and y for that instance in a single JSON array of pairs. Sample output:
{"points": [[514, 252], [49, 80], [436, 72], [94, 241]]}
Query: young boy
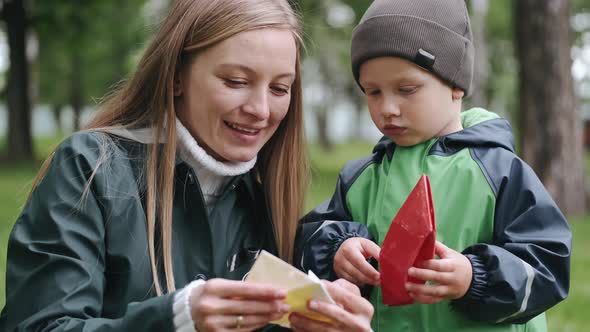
{"points": [[506, 252]]}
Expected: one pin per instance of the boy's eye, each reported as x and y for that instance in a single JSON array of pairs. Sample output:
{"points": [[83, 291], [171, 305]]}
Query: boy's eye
{"points": [[372, 92], [409, 89]]}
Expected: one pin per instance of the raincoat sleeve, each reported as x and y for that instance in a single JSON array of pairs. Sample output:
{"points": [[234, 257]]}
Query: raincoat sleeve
{"points": [[56, 256], [526, 269], [322, 231]]}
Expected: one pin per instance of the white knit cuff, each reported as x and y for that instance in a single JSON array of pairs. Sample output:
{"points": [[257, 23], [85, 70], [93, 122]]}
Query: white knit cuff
{"points": [[183, 321]]}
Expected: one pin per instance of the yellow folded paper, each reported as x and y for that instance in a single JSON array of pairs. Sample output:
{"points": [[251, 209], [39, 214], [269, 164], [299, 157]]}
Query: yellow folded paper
{"points": [[301, 287]]}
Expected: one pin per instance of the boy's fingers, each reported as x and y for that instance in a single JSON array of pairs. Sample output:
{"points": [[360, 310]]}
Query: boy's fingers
{"points": [[425, 299], [440, 265], [442, 250], [356, 274], [348, 277], [442, 291], [421, 274], [359, 262], [370, 249], [430, 275], [344, 275]]}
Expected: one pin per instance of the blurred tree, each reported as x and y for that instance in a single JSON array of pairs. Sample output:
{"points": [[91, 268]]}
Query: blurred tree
{"points": [[328, 26], [550, 126], [502, 79], [96, 41], [580, 22], [494, 80], [19, 143], [479, 13]]}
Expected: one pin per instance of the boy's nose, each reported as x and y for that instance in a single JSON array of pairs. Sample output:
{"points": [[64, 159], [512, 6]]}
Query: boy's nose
{"points": [[390, 108]]}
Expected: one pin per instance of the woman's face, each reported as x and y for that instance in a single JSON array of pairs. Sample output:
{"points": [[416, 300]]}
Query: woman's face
{"points": [[233, 96]]}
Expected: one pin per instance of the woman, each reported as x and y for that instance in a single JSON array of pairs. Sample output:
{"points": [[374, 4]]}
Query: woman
{"points": [[149, 218]]}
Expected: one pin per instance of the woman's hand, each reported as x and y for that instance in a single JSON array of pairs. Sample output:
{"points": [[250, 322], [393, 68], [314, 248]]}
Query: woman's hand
{"points": [[451, 276], [227, 305], [350, 313], [350, 261]]}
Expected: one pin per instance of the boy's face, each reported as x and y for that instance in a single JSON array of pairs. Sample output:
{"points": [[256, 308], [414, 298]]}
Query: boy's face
{"points": [[407, 103]]}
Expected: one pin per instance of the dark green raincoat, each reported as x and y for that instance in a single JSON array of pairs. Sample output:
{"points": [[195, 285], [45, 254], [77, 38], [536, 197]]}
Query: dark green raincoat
{"points": [[81, 263]]}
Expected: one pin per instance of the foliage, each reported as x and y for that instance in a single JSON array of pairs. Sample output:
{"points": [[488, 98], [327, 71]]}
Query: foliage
{"points": [[84, 45]]}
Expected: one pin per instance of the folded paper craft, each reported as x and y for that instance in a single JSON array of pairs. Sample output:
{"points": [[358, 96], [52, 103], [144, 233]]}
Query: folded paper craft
{"points": [[301, 287], [409, 241]]}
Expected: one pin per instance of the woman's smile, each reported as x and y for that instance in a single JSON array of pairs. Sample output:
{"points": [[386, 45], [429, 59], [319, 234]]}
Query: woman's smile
{"points": [[243, 129], [244, 135]]}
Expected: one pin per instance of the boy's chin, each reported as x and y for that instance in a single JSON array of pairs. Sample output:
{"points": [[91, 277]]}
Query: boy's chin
{"points": [[404, 142]]}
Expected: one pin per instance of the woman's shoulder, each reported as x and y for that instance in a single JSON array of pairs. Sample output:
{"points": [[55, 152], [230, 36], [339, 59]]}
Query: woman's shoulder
{"points": [[113, 164], [109, 157], [92, 145]]}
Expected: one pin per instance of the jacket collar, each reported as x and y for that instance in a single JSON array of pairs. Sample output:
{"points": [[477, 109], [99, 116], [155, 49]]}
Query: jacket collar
{"points": [[247, 181]]}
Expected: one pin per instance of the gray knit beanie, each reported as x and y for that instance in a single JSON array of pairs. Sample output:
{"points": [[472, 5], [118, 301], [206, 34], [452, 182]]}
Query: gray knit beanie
{"points": [[435, 34]]}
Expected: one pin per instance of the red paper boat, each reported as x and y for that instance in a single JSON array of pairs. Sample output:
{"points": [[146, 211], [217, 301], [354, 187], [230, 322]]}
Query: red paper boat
{"points": [[410, 240]]}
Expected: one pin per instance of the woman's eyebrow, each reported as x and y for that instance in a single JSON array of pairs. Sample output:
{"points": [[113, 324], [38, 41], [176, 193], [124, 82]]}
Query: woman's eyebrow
{"points": [[237, 66], [251, 71]]}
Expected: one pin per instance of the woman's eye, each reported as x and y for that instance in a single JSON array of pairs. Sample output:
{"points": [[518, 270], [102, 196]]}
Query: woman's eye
{"points": [[279, 90], [233, 83]]}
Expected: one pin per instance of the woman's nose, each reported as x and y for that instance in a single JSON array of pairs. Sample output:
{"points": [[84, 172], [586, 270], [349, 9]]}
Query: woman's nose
{"points": [[257, 104]]}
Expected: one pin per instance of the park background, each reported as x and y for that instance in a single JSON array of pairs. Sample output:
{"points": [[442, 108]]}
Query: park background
{"points": [[58, 58]]}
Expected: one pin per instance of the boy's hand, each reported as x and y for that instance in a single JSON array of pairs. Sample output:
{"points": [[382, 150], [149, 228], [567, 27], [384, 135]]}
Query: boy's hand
{"points": [[350, 261], [450, 276]]}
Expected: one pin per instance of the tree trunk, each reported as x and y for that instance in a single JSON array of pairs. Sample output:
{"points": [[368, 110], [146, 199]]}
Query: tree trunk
{"points": [[76, 94], [327, 103], [19, 108], [358, 102], [322, 123], [550, 128], [56, 111], [121, 47], [481, 69]]}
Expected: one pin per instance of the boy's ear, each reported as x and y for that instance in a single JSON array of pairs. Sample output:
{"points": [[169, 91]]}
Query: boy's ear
{"points": [[457, 94]]}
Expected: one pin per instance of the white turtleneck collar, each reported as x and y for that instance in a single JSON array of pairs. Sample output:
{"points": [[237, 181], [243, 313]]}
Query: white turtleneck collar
{"points": [[213, 175]]}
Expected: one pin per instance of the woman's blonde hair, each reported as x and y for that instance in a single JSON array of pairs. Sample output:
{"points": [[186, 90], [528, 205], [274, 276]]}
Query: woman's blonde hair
{"points": [[147, 100]]}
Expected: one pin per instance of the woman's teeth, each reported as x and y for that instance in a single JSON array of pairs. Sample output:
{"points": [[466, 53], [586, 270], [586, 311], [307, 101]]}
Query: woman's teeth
{"points": [[236, 127]]}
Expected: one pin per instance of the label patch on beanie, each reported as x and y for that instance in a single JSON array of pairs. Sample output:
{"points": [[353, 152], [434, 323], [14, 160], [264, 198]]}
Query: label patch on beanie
{"points": [[425, 59]]}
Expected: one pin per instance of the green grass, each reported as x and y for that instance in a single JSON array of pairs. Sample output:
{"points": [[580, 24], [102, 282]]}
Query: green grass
{"points": [[16, 181], [570, 315], [325, 167]]}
